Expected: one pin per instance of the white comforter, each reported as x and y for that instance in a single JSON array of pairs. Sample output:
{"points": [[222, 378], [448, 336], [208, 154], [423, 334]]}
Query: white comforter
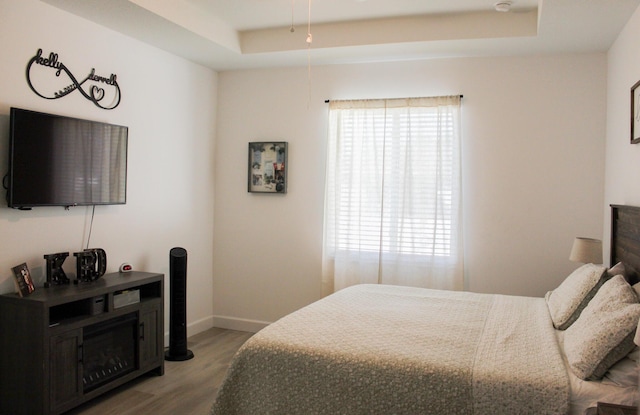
{"points": [[373, 349]]}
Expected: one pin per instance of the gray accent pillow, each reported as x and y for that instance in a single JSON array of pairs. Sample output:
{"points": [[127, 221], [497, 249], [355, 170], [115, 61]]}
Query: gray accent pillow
{"points": [[618, 269], [568, 300], [604, 332]]}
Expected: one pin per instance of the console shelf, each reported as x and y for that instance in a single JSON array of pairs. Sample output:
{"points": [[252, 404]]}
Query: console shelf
{"points": [[64, 345]]}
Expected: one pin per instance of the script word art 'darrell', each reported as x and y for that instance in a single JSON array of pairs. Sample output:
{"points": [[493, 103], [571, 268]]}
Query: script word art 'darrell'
{"points": [[51, 75]]}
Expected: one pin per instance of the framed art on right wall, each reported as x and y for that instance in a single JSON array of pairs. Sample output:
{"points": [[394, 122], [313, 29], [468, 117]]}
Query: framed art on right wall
{"points": [[635, 113]]}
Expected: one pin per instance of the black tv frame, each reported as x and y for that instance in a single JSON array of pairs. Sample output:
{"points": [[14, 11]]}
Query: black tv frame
{"points": [[88, 127]]}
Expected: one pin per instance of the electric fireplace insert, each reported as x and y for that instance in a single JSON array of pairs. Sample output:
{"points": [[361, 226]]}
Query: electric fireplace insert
{"points": [[109, 351]]}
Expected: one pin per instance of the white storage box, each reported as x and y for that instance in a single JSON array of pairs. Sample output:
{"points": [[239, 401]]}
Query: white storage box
{"points": [[125, 298]]}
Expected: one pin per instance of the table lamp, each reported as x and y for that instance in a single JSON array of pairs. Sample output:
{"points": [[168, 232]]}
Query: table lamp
{"points": [[586, 250]]}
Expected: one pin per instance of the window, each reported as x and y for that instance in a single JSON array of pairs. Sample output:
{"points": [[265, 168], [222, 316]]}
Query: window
{"points": [[392, 202]]}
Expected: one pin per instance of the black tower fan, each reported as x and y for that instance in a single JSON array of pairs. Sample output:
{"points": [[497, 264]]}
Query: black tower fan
{"points": [[178, 312]]}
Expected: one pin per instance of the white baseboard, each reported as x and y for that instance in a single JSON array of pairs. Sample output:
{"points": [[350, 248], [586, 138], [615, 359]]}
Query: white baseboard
{"points": [[199, 326], [240, 324], [193, 328], [223, 322]]}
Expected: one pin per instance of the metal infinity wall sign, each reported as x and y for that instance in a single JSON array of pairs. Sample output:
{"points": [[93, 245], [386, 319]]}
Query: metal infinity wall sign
{"points": [[102, 91]]}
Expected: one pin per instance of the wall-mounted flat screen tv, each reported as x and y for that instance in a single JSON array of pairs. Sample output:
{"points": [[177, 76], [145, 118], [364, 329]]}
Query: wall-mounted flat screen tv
{"points": [[63, 161]]}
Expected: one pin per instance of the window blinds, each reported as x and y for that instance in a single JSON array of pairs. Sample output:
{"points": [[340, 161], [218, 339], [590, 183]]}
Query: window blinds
{"points": [[393, 180]]}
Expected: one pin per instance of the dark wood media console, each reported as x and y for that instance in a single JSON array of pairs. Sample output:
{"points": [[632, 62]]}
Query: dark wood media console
{"points": [[64, 345]]}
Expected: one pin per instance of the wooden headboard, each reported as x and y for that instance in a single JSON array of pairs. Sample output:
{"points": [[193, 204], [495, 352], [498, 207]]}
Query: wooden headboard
{"points": [[625, 239]]}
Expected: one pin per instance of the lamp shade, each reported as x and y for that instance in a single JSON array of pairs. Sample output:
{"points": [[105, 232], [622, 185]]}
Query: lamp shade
{"points": [[586, 250]]}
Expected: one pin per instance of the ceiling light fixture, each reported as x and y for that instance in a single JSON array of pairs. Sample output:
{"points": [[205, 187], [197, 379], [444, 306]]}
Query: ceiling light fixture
{"points": [[309, 36], [503, 6], [309, 41]]}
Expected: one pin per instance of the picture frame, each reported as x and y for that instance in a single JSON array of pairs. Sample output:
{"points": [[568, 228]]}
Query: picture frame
{"points": [[267, 167], [23, 280], [635, 113]]}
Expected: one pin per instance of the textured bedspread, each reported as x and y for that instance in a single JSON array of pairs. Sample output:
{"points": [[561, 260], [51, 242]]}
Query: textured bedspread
{"points": [[373, 349]]}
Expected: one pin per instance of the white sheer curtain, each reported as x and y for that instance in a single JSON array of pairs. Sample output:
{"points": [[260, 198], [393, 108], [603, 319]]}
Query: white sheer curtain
{"points": [[393, 194]]}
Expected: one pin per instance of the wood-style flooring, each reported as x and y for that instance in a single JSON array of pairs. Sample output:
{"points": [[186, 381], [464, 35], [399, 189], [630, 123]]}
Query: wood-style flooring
{"points": [[186, 388]]}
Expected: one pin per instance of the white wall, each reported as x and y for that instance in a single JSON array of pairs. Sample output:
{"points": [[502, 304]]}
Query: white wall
{"points": [[622, 182], [533, 147], [169, 105], [533, 153]]}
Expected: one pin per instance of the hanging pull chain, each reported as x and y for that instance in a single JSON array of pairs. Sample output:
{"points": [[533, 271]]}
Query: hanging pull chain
{"points": [[309, 41]]}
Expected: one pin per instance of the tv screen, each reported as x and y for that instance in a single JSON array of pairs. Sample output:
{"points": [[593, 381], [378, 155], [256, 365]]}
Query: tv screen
{"points": [[63, 161]]}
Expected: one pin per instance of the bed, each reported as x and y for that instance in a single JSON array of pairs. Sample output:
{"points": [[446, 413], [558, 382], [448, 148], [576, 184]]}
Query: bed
{"points": [[375, 349]]}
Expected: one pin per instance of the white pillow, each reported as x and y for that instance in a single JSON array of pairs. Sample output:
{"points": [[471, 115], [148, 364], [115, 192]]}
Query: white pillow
{"points": [[568, 300], [603, 334]]}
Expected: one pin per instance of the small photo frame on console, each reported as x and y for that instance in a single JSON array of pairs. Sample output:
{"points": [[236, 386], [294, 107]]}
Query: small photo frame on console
{"points": [[635, 113], [267, 167], [24, 282]]}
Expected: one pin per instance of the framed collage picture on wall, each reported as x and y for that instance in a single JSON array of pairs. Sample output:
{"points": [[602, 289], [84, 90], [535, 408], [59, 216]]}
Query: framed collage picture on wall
{"points": [[267, 167], [635, 113]]}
